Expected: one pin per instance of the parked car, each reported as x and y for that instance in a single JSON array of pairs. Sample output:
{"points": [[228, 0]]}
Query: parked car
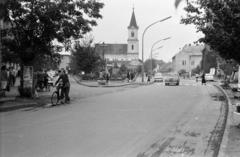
{"points": [[171, 79], [158, 77]]}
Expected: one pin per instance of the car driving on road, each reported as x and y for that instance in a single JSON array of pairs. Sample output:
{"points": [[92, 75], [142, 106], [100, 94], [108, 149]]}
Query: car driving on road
{"points": [[158, 77], [171, 79]]}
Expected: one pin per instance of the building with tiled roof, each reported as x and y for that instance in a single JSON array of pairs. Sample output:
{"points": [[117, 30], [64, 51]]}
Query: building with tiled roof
{"points": [[122, 52], [188, 58]]}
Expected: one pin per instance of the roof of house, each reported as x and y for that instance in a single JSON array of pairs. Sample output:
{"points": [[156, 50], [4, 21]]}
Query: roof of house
{"points": [[111, 48], [133, 22], [195, 49], [191, 50]]}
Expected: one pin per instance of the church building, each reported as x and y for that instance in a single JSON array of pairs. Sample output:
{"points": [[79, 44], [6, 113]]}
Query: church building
{"points": [[126, 52]]}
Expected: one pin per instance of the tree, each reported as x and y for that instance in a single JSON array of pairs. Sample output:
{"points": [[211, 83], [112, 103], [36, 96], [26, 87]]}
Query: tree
{"points": [[36, 23], [149, 65], [84, 58], [219, 22], [209, 59], [123, 69], [196, 70], [182, 72]]}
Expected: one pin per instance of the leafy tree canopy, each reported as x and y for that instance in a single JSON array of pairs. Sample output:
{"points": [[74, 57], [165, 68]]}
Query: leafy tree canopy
{"points": [[84, 58], [149, 65], [36, 23], [219, 21]]}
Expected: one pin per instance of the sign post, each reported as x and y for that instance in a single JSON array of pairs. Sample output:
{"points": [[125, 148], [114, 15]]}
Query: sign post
{"points": [[239, 78]]}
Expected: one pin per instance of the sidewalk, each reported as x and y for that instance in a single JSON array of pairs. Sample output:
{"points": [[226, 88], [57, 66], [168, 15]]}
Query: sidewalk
{"points": [[231, 139], [12, 101]]}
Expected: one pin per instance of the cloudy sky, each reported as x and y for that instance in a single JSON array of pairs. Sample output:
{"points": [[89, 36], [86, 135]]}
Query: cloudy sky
{"points": [[112, 28]]}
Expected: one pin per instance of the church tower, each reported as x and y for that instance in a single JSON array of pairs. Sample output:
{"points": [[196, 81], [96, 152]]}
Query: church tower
{"points": [[133, 46]]}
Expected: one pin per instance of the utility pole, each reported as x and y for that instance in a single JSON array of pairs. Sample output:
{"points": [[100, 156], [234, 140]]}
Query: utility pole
{"points": [[143, 42], [1, 26]]}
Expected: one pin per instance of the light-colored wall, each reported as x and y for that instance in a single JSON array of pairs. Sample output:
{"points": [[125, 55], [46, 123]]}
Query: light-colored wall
{"points": [[65, 61], [133, 40], [188, 59], [135, 33], [121, 57], [190, 55]]}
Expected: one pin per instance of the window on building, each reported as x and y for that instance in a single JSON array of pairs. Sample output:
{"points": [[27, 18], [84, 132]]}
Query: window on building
{"points": [[132, 47], [132, 34]]}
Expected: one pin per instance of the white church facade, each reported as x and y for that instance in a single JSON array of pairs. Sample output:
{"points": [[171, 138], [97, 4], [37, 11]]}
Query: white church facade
{"points": [[122, 52]]}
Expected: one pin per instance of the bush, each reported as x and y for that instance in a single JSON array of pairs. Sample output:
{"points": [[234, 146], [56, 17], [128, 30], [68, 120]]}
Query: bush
{"points": [[93, 76], [25, 92]]}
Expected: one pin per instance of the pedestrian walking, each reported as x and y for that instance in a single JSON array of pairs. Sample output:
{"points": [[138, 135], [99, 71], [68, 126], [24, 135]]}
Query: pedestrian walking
{"points": [[11, 77], [132, 75], [107, 77], [203, 79], [148, 78], [128, 76]]}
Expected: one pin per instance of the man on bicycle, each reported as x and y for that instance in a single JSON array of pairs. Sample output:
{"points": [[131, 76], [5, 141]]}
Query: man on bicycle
{"points": [[65, 88]]}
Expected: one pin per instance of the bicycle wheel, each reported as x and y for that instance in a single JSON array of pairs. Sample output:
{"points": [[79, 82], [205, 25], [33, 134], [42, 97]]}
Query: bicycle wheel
{"points": [[54, 98]]}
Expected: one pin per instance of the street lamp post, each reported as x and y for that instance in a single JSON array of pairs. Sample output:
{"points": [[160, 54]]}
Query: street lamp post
{"points": [[143, 42], [152, 57], [155, 49], [1, 25]]}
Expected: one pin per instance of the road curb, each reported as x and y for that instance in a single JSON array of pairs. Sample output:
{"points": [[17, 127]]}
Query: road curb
{"points": [[109, 86], [10, 108], [223, 145]]}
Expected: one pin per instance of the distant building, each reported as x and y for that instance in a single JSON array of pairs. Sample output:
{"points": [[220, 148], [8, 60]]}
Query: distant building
{"points": [[65, 61], [122, 53], [188, 58]]}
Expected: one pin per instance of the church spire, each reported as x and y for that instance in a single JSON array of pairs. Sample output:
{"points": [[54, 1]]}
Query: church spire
{"points": [[133, 22]]}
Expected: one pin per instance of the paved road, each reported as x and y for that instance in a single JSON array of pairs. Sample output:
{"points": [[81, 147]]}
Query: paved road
{"points": [[152, 120]]}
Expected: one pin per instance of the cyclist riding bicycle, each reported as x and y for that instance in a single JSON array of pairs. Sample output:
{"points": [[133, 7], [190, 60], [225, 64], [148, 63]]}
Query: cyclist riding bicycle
{"points": [[64, 86]]}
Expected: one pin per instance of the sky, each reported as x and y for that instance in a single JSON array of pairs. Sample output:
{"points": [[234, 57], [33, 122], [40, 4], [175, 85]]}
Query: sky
{"points": [[112, 28]]}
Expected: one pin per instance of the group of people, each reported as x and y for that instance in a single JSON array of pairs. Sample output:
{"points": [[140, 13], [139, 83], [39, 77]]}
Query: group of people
{"points": [[41, 79], [63, 85], [104, 75], [7, 78], [130, 76]]}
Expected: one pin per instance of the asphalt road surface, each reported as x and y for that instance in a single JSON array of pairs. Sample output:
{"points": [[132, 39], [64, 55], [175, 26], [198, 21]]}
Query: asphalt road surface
{"points": [[152, 121]]}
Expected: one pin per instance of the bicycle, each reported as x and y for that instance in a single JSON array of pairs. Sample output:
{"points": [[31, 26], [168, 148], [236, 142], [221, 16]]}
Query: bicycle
{"points": [[55, 99]]}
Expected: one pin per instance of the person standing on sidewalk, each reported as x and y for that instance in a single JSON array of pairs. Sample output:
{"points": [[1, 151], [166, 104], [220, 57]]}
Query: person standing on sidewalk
{"points": [[107, 77], [203, 79], [4, 78], [128, 76], [148, 78]]}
